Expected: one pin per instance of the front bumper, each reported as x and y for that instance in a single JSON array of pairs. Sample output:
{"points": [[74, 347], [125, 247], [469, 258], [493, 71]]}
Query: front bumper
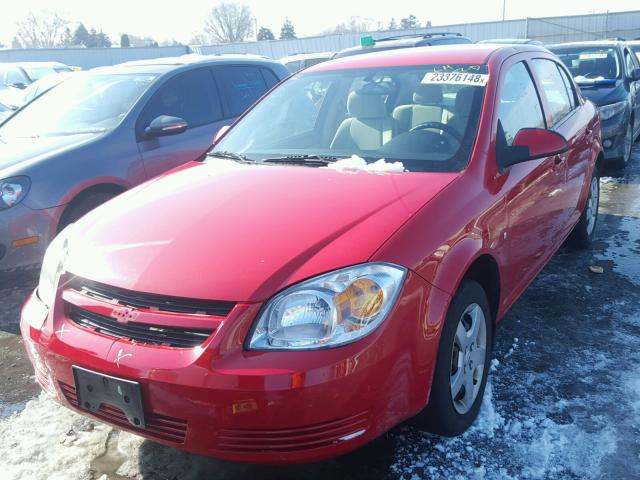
{"points": [[34, 228], [613, 132], [265, 407]]}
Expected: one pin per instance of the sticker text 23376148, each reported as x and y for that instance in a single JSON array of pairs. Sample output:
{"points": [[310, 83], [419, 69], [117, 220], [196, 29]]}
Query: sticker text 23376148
{"points": [[477, 79]]}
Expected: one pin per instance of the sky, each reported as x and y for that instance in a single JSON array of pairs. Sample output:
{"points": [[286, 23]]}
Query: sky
{"points": [[182, 20]]}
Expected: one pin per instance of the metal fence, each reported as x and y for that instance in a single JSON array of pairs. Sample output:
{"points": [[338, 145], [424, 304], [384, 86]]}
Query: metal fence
{"points": [[548, 30]]}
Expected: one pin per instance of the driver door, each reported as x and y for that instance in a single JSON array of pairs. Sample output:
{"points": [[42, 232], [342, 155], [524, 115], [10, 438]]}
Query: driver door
{"points": [[192, 96]]}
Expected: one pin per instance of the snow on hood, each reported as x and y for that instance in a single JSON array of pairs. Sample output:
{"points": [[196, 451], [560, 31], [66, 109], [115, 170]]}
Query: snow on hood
{"points": [[356, 163]]}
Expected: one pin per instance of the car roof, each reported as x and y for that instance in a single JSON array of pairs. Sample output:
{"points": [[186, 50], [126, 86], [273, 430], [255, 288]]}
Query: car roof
{"points": [[474, 54], [166, 64], [306, 56], [591, 43]]}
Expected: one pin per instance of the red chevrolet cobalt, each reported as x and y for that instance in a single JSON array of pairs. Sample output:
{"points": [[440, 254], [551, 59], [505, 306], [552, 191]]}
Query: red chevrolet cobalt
{"points": [[336, 265]]}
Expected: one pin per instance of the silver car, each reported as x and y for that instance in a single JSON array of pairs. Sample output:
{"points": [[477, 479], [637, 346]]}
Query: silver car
{"points": [[101, 132]]}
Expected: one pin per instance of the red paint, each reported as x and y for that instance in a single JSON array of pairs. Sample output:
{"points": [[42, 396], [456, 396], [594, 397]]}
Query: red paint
{"points": [[242, 233]]}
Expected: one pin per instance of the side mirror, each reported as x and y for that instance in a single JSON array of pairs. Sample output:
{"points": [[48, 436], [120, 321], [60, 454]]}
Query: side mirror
{"points": [[166, 125], [635, 74], [19, 85], [220, 133], [531, 144]]}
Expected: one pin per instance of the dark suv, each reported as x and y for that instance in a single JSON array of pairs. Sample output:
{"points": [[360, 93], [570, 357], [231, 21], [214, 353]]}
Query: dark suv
{"points": [[608, 73], [403, 41]]}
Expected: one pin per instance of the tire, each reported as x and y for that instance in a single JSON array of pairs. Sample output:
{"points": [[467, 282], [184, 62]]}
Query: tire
{"points": [[81, 206], [582, 235], [446, 413]]}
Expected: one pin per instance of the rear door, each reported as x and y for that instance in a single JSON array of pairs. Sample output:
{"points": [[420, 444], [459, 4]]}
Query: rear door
{"points": [[564, 115], [241, 86], [192, 96]]}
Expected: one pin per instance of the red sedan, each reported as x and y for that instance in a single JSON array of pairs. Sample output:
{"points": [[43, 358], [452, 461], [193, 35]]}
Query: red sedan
{"points": [[336, 265]]}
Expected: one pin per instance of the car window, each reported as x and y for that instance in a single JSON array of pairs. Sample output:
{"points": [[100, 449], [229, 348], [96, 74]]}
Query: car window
{"points": [[573, 96], [519, 105], [629, 62], [14, 76], [589, 64], [191, 96], [241, 86], [554, 88], [269, 77]]}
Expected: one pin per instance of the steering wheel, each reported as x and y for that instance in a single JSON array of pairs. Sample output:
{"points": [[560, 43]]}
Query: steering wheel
{"points": [[448, 129]]}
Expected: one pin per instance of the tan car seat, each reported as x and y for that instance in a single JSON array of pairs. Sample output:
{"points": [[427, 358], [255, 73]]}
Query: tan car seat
{"points": [[426, 107]]}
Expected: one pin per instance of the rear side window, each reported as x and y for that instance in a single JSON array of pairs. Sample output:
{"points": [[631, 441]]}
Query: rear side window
{"points": [[241, 87], [15, 76], [554, 88], [519, 104], [191, 96], [269, 77]]}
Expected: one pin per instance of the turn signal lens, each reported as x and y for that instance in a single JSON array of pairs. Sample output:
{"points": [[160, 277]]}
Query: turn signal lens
{"points": [[360, 302]]}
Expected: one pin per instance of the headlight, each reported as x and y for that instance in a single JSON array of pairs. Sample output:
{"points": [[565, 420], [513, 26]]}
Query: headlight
{"points": [[608, 111], [13, 190], [328, 310], [53, 266]]}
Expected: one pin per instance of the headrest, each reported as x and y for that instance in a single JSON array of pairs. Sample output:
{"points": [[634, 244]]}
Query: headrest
{"points": [[366, 105], [464, 101], [427, 94]]}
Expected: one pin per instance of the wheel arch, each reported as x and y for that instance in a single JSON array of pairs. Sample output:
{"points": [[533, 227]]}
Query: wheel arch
{"points": [[109, 188]]}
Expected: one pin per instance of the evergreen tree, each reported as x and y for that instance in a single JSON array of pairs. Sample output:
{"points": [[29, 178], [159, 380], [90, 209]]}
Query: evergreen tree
{"points": [[287, 30]]}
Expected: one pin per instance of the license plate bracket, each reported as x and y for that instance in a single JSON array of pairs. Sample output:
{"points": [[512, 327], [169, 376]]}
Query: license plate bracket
{"points": [[94, 389]]}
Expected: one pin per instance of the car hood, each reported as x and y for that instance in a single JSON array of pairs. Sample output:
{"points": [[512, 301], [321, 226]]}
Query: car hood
{"points": [[229, 231], [14, 151], [604, 94]]}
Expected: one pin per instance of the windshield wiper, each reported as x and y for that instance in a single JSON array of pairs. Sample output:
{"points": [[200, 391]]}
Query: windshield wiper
{"points": [[230, 155], [318, 160]]}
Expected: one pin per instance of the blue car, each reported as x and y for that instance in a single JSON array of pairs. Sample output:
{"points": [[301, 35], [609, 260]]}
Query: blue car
{"points": [[102, 132]]}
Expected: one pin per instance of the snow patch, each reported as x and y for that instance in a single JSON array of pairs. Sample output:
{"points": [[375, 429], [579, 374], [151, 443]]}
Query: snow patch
{"points": [[356, 163]]}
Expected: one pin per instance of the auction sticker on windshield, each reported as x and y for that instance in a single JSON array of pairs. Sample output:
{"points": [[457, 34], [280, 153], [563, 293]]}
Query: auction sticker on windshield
{"points": [[456, 78]]}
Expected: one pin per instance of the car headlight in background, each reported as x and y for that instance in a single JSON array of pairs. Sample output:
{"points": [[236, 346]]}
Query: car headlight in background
{"points": [[53, 266], [608, 111], [329, 310], [13, 190]]}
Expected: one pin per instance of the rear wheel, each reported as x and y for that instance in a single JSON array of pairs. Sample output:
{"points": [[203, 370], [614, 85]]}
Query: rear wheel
{"points": [[583, 233], [627, 144], [462, 364], [81, 206]]}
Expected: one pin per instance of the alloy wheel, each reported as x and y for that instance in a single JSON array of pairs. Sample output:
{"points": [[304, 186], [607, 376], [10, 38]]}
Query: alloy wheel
{"points": [[468, 358], [592, 205]]}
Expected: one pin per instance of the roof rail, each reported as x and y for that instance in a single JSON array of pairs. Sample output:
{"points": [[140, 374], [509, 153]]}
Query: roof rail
{"points": [[419, 35]]}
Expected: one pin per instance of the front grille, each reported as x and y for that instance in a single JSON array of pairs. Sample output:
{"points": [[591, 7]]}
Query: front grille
{"points": [[151, 301], [291, 439], [159, 426], [139, 332]]}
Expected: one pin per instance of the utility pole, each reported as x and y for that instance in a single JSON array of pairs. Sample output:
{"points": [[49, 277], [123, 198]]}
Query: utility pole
{"points": [[504, 8]]}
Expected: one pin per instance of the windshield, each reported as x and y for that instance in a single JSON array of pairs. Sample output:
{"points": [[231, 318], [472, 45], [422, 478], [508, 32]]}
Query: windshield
{"points": [[36, 73], [82, 104], [590, 64], [425, 117]]}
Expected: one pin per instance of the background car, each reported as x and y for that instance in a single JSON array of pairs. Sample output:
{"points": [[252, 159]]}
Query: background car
{"points": [[369, 44], [41, 86], [15, 77], [101, 132], [300, 61], [608, 73], [635, 46], [4, 112], [512, 41], [331, 269]]}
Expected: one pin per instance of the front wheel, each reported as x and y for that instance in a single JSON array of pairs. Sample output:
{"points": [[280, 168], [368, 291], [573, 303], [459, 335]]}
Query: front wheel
{"points": [[462, 364], [583, 233]]}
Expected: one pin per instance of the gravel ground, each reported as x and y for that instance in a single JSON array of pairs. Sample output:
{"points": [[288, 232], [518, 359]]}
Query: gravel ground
{"points": [[563, 400]]}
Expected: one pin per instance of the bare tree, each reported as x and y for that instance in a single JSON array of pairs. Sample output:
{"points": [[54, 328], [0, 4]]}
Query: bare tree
{"points": [[41, 30], [229, 22]]}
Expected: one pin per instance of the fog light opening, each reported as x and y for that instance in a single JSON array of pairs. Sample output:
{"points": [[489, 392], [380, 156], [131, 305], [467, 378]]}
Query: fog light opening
{"points": [[608, 143]]}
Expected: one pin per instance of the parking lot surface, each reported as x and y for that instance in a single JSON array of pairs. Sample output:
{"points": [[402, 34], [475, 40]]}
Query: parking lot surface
{"points": [[563, 399]]}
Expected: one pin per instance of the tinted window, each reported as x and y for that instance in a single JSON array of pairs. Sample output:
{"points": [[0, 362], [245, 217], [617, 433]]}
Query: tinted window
{"points": [[588, 64], [14, 76], [241, 86], [191, 96], [573, 98], [269, 77], [554, 88], [519, 104], [630, 62]]}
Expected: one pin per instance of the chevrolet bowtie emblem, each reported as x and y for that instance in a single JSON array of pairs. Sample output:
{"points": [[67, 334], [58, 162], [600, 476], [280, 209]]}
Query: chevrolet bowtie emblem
{"points": [[124, 314]]}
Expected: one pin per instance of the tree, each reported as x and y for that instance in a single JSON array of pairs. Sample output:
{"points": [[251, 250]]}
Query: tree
{"points": [[67, 38], [265, 34], [409, 22], [81, 35], [287, 30], [15, 43], [124, 41], [102, 40], [428, 24], [42, 30], [229, 22], [393, 25], [199, 39]]}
